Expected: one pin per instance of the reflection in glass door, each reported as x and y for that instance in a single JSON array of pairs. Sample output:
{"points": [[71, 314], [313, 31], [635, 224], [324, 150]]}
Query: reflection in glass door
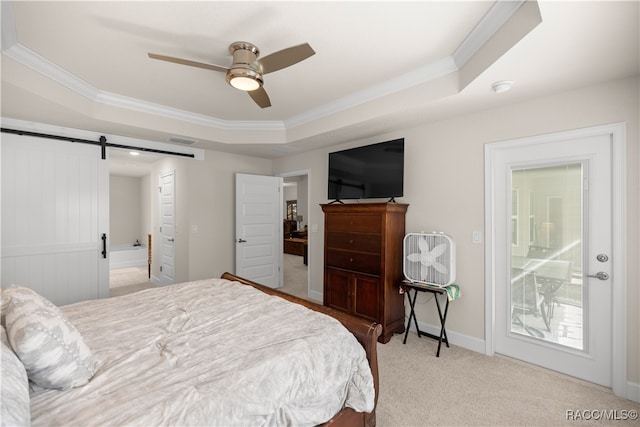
{"points": [[548, 301]]}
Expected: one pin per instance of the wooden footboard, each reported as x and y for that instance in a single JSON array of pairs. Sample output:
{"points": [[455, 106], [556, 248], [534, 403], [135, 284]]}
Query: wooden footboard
{"points": [[367, 334]]}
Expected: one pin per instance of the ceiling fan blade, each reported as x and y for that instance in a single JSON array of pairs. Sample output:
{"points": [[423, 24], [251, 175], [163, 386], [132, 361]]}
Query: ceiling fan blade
{"points": [[188, 62], [260, 97], [285, 57]]}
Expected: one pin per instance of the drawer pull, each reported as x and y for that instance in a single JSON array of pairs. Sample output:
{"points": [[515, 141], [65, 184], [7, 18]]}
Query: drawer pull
{"points": [[350, 259], [351, 242]]}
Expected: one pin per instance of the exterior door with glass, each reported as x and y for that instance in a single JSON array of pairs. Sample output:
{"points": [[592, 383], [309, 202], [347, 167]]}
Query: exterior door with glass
{"points": [[552, 254]]}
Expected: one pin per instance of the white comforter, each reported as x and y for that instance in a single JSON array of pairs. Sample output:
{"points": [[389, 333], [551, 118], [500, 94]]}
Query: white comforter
{"points": [[210, 352]]}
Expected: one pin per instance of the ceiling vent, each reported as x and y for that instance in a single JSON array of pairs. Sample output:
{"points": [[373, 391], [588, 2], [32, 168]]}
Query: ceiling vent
{"points": [[183, 141]]}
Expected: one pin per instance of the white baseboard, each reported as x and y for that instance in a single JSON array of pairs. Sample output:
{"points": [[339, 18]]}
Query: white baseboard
{"points": [[127, 264], [462, 340], [633, 391], [315, 295]]}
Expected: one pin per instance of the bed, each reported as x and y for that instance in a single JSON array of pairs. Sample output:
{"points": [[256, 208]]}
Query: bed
{"points": [[222, 351]]}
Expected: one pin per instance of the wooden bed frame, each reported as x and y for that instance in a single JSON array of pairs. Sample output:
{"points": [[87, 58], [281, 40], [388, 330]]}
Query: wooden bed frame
{"points": [[367, 334]]}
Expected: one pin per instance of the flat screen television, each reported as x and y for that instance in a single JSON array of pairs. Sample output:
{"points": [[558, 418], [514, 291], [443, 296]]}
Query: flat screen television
{"points": [[370, 172]]}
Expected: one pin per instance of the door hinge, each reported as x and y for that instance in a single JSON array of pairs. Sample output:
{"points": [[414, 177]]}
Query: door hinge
{"points": [[160, 268], [160, 189]]}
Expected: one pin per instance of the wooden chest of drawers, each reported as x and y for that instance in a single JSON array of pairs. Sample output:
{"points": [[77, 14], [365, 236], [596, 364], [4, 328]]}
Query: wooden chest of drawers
{"points": [[363, 262]]}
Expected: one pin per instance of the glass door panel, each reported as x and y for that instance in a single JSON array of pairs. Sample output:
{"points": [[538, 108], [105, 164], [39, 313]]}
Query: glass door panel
{"points": [[547, 299]]}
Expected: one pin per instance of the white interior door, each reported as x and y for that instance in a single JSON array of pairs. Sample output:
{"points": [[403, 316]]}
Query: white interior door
{"points": [[259, 237], [55, 210], [551, 258], [167, 228]]}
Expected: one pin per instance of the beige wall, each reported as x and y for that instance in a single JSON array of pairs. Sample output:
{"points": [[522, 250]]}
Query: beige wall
{"points": [[444, 185], [129, 209], [205, 211], [125, 210]]}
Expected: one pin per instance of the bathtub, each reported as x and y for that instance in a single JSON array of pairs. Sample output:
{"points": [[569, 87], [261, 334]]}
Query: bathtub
{"points": [[124, 256]]}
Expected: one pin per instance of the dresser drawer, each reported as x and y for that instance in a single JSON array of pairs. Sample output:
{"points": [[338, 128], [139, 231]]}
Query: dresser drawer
{"points": [[354, 242], [355, 261], [356, 223]]}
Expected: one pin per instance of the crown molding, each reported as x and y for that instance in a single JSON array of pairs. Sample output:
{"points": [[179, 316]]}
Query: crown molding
{"points": [[134, 104], [491, 22], [497, 15], [405, 81], [43, 66]]}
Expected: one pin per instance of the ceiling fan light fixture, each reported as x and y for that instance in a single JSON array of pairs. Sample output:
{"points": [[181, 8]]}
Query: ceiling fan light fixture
{"points": [[244, 83], [245, 79], [245, 72]]}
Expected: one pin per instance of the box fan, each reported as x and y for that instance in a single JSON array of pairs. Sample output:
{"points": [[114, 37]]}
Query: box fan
{"points": [[429, 258]]}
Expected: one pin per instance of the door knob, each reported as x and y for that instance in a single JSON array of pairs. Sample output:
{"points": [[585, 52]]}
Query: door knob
{"points": [[171, 239], [601, 275], [241, 241]]}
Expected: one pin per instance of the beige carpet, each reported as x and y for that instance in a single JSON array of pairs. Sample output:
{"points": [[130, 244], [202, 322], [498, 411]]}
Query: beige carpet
{"points": [[465, 388], [295, 277], [128, 276], [124, 281], [127, 280]]}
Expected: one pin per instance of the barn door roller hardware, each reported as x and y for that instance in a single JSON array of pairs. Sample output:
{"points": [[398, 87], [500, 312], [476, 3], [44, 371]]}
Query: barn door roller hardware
{"points": [[102, 143]]}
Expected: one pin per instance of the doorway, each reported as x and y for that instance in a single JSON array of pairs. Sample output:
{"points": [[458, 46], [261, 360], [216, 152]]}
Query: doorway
{"points": [[130, 207], [555, 253], [296, 259]]}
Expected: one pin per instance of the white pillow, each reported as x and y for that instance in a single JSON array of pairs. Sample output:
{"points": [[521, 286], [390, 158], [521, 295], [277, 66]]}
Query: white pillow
{"points": [[4, 303], [50, 347], [14, 388]]}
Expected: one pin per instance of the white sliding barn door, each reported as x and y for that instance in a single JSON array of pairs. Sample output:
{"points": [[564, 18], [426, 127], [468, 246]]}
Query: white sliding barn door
{"points": [[55, 210]]}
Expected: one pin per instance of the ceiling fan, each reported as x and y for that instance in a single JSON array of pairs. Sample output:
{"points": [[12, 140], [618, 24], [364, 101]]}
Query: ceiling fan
{"points": [[246, 71]]}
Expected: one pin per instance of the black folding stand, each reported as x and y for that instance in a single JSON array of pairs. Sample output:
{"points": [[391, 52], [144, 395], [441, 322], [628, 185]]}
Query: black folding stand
{"points": [[420, 287]]}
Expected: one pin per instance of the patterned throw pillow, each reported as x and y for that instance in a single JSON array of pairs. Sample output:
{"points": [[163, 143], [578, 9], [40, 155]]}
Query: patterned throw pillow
{"points": [[14, 388], [50, 347]]}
